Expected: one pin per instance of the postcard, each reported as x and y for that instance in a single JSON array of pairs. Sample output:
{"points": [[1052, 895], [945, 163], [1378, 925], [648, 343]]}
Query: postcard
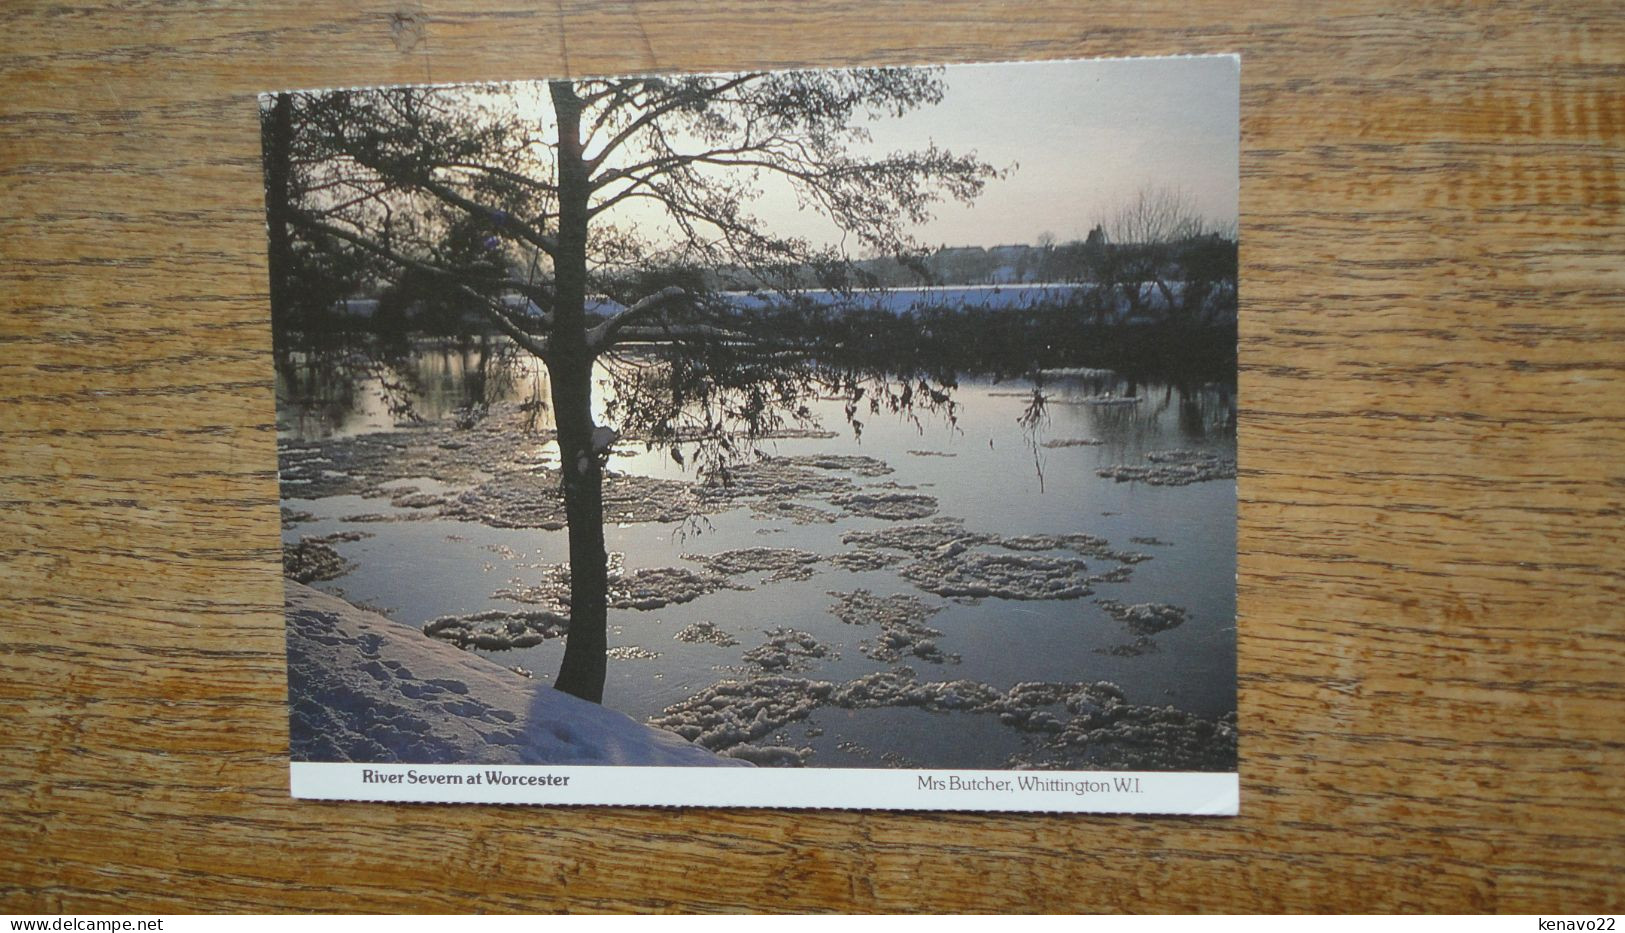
{"points": [[842, 438]]}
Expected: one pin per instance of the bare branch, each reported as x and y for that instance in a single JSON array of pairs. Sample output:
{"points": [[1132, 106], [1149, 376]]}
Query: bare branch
{"points": [[676, 101], [604, 334], [490, 307]]}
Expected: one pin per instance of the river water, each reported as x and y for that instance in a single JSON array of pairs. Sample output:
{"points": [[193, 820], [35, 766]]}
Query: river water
{"points": [[987, 469]]}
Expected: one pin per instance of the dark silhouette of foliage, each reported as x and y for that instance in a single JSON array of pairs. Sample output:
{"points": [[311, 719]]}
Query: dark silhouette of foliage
{"points": [[527, 205]]}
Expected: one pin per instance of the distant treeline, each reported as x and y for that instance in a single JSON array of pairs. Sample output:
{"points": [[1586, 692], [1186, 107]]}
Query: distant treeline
{"points": [[1013, 342], [1155, 308], [1094, 259]]}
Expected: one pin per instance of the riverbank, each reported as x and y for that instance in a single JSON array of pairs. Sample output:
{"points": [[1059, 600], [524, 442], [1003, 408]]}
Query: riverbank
{"points": [[364, 688]]}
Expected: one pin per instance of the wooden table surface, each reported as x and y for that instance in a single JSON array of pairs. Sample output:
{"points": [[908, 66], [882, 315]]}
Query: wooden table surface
{"points": [[1432, 639]]}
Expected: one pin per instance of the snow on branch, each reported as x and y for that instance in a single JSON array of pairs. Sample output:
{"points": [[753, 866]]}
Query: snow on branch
{"points": [[604, 334]]}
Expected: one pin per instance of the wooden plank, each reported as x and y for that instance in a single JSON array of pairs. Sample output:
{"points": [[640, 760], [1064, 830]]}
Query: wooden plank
{"points": [[1431, 635]]}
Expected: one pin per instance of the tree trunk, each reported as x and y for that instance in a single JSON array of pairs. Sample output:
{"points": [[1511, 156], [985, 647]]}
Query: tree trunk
{"points": [[584, 667], [278, 157], [569, 365]]}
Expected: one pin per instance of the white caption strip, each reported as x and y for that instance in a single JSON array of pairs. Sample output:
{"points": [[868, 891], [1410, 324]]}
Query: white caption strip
{"points": [[1053, 791]]}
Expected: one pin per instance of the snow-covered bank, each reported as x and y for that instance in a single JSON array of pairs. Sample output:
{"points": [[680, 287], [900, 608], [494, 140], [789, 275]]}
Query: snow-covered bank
{"points": [[362, 687]]}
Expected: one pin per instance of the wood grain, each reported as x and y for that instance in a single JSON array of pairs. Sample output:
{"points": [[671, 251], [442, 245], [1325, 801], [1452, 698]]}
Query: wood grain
{"points": [[1432, 636]]}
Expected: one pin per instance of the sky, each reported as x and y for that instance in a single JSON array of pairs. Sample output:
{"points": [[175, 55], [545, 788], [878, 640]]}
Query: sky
{"points": [[1078, 140], [1081, 138]]}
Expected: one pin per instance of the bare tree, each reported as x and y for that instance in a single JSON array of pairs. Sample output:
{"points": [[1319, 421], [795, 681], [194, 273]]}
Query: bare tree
{"points": [[1143, 251], [532, 201]]}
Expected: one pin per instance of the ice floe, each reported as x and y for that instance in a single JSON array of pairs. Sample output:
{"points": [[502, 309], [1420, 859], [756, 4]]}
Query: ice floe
{"points": [[861, 561], [648, 588], [856, 465], [1083, 544], [771, 756], [705, 632], [630, 653], [1174, 468], [443, 451], [313, 558], [775, 563], [1077, 372], [980, 574], [533, 499], [775, 479], [292, 517], [1144, 618], [498, 629], [792, 512], [917, 539], [901, 618], [786, 649], [1070, 725], [891, 506]]}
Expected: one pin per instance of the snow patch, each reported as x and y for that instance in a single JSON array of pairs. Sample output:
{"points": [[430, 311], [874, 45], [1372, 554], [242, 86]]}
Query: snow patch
{"points": [[364, 688]]}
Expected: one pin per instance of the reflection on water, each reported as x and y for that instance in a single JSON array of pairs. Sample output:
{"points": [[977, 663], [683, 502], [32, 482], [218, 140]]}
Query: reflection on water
{"points": [[987, 468], [333, 394]]}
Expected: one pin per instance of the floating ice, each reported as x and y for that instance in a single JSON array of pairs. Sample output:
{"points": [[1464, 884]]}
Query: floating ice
{"points": [[778, 563], [313, 558], [772, 478], [861, 561], [649, 588], [735, 712], [792, 512], [978, 574], [1086, 545], [630, 653], [411, 498], [1144, 618], [292, 517], [918, 539], [705, 632], [532, 499], [1077, 372], [1142, 645], [1174, 468], [1072, 725], [773, 756], [901, 617], [857, 465], [497, 629], [442, 451], [786, 650], [891, 506]]}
